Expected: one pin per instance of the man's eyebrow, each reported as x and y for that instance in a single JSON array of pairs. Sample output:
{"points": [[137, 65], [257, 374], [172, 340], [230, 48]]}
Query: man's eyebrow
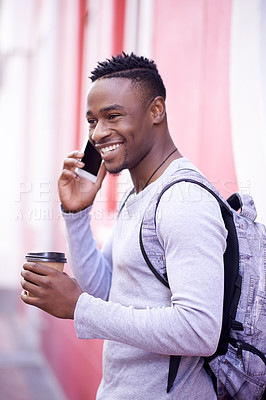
{"points": [[112, 107]]}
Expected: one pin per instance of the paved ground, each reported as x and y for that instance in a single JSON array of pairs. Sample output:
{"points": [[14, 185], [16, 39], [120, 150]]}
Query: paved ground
{"points": [[24, 373]]}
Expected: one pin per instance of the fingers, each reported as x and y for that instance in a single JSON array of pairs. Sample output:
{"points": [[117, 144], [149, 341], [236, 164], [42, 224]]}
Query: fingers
{"points": [[69, 169], [55, 292], [71, 163], [76, 154], [39, 269], [75, 192], [34, 275], [27, 283], [28, 299], [66, 176]]}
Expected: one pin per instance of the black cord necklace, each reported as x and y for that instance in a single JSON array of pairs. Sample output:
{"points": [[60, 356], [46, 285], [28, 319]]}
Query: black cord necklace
{"points": [[146, 184]]}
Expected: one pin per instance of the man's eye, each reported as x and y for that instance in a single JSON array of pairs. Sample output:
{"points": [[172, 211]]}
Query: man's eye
{"points": [[91, 121], [113, 116]]}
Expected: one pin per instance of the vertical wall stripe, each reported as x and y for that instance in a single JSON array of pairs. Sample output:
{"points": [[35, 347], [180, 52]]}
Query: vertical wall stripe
{"points": [[191, 47], [81, 34], [215, 155], [263, 66], [138, 39], [131, 26], [117, 47], [177, 48], [16, 54], [118, 25], [247, 120], [145, 28]]}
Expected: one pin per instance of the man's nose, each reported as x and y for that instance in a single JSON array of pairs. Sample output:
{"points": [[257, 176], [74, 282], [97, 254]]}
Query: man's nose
{"points": [[100, 131]]}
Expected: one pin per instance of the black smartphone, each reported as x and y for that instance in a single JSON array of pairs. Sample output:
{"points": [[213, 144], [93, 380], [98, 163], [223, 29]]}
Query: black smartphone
{"points": [[92, 160]]}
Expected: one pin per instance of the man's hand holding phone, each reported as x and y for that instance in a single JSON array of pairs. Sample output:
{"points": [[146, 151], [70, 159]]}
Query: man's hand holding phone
{"points": [[76, 192]]}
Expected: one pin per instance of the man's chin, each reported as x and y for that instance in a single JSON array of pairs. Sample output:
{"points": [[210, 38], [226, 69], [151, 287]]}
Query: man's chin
{"points": [[115, 170], [114, 173]]}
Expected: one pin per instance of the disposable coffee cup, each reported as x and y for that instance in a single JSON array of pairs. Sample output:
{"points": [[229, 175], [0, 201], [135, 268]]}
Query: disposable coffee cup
{"points": [[50, 259]]}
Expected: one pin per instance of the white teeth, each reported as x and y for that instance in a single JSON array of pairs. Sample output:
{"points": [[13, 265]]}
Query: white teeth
{"points": [[106, 150]]}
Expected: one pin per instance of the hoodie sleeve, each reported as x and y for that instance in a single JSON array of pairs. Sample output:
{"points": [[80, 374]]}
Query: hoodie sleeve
{"points": [[91, 266]]}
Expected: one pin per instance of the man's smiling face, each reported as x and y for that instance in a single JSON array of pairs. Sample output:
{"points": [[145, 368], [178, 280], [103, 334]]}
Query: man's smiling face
{"points": [[120, 123]]}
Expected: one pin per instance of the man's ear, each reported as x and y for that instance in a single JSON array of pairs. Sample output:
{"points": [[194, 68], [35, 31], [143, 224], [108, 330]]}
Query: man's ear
{"points": [[158, 110]]}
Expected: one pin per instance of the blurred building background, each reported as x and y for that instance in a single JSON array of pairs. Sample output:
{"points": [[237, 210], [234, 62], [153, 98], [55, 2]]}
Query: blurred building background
{"points": [[212, 57]]}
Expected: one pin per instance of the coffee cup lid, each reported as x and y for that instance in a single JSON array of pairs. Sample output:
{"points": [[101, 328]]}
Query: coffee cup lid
{"points": [[47, 256]]}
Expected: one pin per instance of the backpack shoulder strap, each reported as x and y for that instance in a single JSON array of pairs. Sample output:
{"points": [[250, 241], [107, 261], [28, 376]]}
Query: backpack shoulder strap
{"points": [[147, 235], [232, 280]]}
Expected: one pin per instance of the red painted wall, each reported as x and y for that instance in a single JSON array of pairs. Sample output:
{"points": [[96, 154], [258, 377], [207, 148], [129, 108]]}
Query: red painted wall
{"points": [[77, 363], [191, 46]]}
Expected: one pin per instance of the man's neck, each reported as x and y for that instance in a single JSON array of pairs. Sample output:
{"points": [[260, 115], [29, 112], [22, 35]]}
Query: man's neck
{"points": [[155, 170]]}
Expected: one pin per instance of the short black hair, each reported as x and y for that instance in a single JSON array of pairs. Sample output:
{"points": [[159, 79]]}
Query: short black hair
{"points": [[140, 70]]}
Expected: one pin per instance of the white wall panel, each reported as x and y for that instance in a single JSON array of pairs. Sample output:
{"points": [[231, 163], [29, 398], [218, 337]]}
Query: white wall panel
{"points": [[248, 99]]}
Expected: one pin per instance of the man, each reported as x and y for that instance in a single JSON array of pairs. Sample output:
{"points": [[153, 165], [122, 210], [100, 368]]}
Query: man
{"points": [[117, 298]]}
